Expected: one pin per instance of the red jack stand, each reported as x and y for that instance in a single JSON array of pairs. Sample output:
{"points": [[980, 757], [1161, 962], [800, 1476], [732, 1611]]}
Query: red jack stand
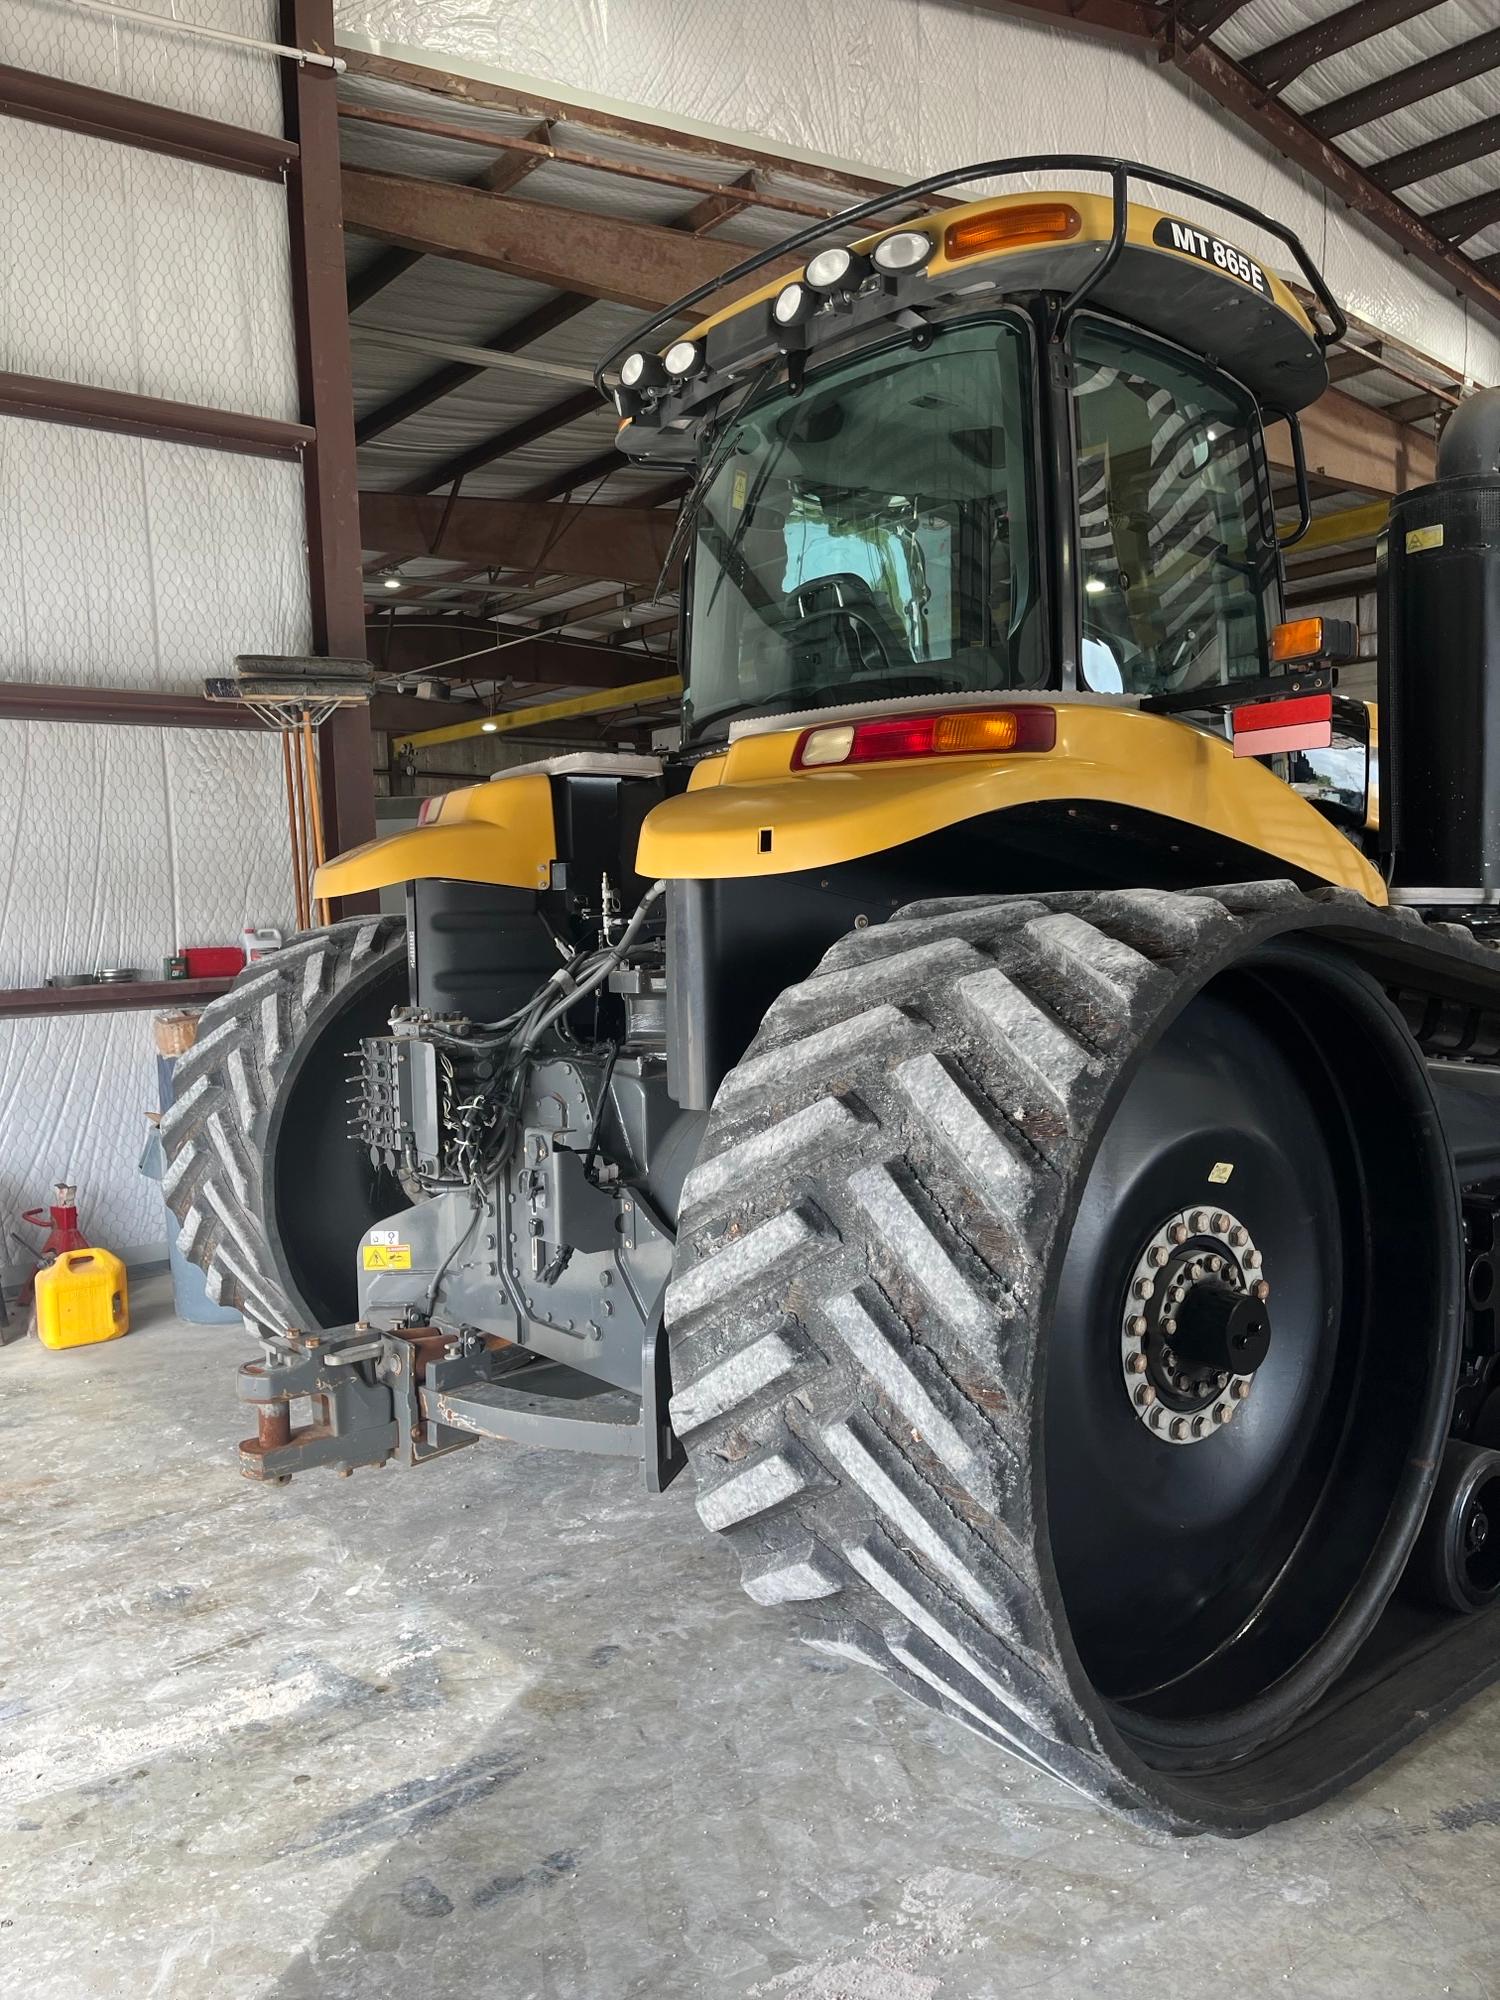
{"points": [[61, 1223]]}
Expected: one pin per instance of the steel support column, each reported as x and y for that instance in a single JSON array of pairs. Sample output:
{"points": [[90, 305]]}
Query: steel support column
{"points": [[326, 374]]}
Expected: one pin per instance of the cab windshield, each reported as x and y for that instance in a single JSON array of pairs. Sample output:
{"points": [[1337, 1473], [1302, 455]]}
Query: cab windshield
{"points": [[872, 537]]}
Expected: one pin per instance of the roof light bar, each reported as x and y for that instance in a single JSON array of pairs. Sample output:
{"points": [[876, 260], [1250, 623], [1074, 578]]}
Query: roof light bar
{"points": [[957, 733]]}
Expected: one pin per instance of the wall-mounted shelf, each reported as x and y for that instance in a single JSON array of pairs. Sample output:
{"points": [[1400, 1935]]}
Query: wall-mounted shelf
{"points": [[108, 999]]}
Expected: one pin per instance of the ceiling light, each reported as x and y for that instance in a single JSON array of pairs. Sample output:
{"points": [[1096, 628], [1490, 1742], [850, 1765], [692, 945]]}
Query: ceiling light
{"points": [[1096, 586], [907, 250], [489, 728], [684, 357], [391, 578]]}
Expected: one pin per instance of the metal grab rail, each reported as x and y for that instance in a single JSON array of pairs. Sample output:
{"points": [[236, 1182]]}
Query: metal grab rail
{"points": [[1121, 173]]}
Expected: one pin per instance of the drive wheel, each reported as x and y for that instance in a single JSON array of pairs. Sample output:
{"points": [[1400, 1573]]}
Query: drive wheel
{"points": [[1066, 1320], [270, 1194]]}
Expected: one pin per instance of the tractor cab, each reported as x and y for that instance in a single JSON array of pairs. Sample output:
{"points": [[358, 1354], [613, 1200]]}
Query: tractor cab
{"points": [[1015, 448]]}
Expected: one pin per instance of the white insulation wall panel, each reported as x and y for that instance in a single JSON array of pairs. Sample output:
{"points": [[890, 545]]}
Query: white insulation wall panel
{"points": [[908, 87], [74, 1093], [119, 845], [129, 270], [116, 847], [239, 86], [132, 563]]}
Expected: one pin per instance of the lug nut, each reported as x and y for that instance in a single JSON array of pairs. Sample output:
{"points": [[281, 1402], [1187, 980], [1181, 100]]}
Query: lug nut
{"points": [[1239, 1235], [1145, 1396], [1137, 1326], [1260, 1289], [1218, 1223], [1251, 1260], [1178, 1427], [1241, 1389], [1169, 1326], [1143, 1288], [1223, 1413], [1158, 1256], [1198, 1221], [1136, 1364], [1178, 1232], [1200, 1426]]}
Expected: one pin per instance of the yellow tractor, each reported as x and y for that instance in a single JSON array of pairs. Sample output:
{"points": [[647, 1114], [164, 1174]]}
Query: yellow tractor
{"points": [[1001, 1100]]}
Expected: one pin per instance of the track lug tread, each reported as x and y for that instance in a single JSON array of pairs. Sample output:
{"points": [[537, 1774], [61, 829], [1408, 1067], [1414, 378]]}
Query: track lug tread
{"points": [[886, 1425], [224, 1088]]}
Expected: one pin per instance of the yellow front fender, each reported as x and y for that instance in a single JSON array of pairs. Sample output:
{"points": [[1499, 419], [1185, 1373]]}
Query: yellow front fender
{"points": [[749, 813], [501, 831]]}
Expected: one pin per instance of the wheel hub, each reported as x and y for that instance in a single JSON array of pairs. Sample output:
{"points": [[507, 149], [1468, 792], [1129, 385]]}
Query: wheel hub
{"points": [[1195, 1325]]}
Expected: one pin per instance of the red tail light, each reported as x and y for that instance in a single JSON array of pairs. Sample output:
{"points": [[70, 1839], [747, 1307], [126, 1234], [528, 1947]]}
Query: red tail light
{"points": [[1269, 728], [958, 732]]}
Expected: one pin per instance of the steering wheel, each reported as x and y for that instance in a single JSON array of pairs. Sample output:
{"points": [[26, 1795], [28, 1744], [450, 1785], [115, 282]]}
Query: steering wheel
{"points": [[855, 611]]}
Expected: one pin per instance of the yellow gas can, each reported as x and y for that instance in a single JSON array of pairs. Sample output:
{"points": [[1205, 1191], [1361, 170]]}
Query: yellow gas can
{"points": [[80, 1298]]}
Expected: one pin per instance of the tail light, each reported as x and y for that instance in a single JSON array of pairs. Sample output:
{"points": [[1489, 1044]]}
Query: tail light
{"points": [[1268, 728], [960, 732]]}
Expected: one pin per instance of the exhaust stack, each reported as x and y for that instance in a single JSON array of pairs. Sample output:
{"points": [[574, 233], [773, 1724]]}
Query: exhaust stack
{"points": [[1439, 585]]}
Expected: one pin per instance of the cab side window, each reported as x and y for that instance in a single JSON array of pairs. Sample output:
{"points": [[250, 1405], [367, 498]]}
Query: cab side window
{"points": [[1175, 562]]}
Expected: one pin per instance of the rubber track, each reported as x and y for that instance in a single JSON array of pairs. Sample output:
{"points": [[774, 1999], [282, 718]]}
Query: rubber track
{"points": [[863, 1260], [225, 1088]]}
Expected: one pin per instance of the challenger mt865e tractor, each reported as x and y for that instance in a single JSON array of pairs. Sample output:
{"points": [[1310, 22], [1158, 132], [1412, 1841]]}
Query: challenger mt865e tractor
{"points": [[1040, 1166]]}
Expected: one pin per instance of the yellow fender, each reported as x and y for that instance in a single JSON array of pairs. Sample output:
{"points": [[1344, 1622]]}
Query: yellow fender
{"points": [[501, 831], [748, 813]]}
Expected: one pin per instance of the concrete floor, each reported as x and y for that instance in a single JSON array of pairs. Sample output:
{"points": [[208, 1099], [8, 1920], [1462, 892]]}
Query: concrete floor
{"points": [[506, 1727]]}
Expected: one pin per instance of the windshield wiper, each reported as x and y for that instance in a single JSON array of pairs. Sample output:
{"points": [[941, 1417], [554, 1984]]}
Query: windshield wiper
{"points": [[712, 466]]}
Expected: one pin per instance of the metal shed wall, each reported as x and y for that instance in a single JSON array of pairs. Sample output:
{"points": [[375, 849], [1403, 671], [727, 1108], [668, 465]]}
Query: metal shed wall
{"points": [[134, 563]]}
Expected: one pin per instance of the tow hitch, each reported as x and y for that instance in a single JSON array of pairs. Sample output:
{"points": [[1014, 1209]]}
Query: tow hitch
{"points": [[418, 1393]]}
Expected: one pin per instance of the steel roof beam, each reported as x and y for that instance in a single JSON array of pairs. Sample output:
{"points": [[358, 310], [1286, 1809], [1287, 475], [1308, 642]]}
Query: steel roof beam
{"points": [[443, 381], [512, 656], [1465, 218], [701, 217], [1358, 447], [622, 544], [1228, 83], [1413, 409], [1438, 156], [1459, 64], [1285, 60], [631, 263], [498, 178]]}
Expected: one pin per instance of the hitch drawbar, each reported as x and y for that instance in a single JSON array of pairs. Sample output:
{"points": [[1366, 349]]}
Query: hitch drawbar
{"points": [[419, 1393]]}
